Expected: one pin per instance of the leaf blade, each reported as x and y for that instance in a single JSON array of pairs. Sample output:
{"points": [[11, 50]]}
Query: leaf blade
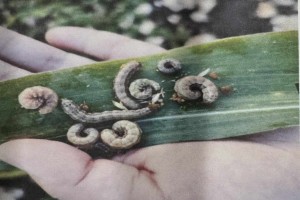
{"points": [[262, 68]]}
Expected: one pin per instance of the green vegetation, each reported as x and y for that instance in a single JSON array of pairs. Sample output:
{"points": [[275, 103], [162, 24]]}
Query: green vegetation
{"points": [[34, 17]]}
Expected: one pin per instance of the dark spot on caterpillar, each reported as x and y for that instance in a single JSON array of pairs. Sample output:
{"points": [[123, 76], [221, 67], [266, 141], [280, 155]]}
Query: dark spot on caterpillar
{"points": [[169, 66]]}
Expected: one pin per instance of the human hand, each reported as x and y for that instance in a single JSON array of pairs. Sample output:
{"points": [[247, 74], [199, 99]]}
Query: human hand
{"points": [[196, 170]]}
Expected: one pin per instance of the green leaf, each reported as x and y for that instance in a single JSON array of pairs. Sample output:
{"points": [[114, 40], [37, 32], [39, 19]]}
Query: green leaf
{"points": [[262, 69]]}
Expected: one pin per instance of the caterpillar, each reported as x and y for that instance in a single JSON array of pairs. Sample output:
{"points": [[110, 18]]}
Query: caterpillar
{"points": [[121, 84], [169, 66], [74, 137], [38, 97], [74, 111], [143, 88], [124, 134], [195, 87]]}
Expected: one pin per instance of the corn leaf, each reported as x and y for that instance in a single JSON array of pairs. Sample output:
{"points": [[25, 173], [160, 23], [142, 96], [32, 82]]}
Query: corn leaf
{"points": [[260, 70]]}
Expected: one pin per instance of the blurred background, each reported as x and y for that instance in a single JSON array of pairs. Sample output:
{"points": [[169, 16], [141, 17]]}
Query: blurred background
{"points": [[167, 23]]}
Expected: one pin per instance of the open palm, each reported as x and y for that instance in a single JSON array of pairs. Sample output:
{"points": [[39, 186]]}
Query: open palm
{"points": [[187, 171]]}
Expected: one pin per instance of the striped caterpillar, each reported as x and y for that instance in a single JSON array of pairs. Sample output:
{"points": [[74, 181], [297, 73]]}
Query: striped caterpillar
{"points": [[77, 114]]}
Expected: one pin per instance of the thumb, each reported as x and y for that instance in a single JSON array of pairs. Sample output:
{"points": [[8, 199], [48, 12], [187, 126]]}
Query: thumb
{"points": [[65, 172]]}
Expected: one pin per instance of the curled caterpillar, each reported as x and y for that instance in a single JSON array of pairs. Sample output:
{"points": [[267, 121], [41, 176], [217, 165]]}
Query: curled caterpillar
{"points": [[143, 88], [75, 138], [169, 66], [195, 87], [121, 83], [140, 89], [124, 134], [37, 97], [77, 114]]}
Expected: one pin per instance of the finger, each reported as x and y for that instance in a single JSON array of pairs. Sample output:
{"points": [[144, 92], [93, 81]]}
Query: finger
{"points": [[33, 55], [8, 71], [100, 44], [49, 163], [68, 173]]}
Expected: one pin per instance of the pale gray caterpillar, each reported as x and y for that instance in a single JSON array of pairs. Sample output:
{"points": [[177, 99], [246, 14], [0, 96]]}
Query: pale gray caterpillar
{"points": [[77, 114], [196, 87], [143, 88], [169, 66], [38, 97], [124, 134], [75, 138], [121, 84]]}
